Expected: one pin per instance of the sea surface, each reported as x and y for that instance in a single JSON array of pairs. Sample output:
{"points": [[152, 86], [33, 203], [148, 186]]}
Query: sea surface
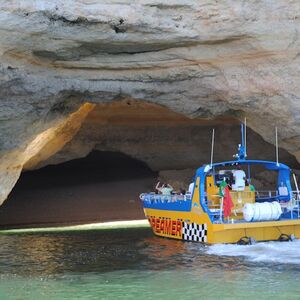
{"points": [[133, 264]]}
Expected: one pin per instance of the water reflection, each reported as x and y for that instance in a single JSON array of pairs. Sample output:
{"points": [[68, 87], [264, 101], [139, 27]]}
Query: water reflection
{"points": [[54, 253], [104, 264], [104, 251]]}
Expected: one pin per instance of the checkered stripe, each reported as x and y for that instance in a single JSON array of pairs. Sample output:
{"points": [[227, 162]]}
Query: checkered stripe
{"points": [[194, 232]]}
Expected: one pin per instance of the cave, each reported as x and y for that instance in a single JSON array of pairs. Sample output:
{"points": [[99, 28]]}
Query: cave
{"points": [[103, 186], [95, 172]]}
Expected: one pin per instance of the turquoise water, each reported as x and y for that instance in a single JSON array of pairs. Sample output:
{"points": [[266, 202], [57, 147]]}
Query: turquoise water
{"points": [[132, 264]]}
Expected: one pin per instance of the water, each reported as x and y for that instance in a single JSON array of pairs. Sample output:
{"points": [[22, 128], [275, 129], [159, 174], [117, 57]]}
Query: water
{"points": [[132, 264]]}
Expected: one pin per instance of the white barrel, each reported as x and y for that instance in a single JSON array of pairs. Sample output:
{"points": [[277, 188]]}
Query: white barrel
{"points": [[265, 211], [248, 212]]}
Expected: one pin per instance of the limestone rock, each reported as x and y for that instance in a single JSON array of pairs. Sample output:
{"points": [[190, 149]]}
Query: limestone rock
{"points": [[202, 59]]}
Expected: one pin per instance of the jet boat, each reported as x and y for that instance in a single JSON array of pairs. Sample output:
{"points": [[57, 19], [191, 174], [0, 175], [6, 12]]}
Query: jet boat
{"points": [[224, 206]]}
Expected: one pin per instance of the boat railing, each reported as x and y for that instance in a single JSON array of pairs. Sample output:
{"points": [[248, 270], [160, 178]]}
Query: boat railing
{"points": [[266, 194], [158, 198], [291, 207], [296, 195], [295, 204]]}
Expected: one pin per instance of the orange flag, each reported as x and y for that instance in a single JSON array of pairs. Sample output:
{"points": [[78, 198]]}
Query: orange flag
{"points": [[227, 203]]}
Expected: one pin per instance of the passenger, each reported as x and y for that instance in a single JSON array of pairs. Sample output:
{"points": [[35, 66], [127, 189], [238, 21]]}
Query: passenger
{"points": [[158, 188], [251, 186], [191, 188], [239, 179], [222, 187], [181, 191], [228, 183], [165, 189]]}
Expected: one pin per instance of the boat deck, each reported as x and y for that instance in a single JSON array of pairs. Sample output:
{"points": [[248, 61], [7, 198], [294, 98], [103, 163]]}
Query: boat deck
{"points": [[290, 209]]}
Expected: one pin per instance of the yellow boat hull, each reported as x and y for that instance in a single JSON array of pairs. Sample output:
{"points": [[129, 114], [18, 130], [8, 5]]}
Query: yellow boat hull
{"points": [[196, 226]]}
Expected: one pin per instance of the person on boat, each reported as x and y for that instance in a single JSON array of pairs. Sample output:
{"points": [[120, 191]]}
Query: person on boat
{"points": [[222, 187], [251, 186], [164, 189], [239, 176], [181, 191], [191, 186], [228, 182]]}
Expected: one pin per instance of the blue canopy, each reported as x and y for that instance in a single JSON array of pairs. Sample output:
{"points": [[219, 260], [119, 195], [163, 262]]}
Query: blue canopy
{"points": [[269, 165], [283, 178]]}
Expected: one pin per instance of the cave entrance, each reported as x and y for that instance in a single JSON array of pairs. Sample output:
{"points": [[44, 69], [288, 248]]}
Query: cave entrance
{"points": [[103, 186], [126, 145]]}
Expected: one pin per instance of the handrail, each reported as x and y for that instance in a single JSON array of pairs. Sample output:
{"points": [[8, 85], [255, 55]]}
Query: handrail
{"points": [[296, 194], [154, 198], [295, 204], [259, 195]]}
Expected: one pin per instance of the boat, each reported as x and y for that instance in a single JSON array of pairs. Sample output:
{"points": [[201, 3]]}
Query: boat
{"points": [[241, 215]]}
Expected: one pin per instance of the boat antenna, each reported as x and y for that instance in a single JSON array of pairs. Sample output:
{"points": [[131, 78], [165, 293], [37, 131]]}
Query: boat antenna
{"points": [[212, 147], [245, 124], [241, 155], [276, 142]]}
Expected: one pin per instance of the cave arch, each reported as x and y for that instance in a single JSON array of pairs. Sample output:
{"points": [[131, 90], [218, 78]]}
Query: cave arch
{"points": [[167, 144], [102, 186]]}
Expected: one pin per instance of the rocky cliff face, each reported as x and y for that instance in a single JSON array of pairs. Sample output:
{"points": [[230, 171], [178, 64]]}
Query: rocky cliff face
{"points": [[200, 59]]}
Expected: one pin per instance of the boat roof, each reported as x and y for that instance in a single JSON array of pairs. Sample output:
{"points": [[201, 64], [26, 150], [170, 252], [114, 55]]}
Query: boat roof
{"points": [[270, 165]]}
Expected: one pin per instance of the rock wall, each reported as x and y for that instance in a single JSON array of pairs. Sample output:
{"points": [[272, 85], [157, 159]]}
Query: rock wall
{"points": [[202, 59], [163, 139]]}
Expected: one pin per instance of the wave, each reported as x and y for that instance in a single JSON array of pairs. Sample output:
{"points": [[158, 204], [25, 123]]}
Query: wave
{"points": [[275, 252]]}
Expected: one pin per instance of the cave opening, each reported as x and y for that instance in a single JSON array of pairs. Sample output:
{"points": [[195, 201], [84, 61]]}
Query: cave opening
{"points": [[94, 166], [103, 186]]}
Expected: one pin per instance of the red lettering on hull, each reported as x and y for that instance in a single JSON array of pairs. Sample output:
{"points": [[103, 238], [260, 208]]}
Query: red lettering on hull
{"points": [[173, 227], [179, 228], [166, 226], [162, 225]]}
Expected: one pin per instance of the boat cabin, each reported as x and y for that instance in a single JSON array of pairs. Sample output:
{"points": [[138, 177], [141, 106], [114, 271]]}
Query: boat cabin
{"points": [[237, 176]]}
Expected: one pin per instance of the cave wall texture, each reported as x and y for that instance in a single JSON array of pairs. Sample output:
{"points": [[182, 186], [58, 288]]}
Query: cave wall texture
{"points": [[200, 59]]}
